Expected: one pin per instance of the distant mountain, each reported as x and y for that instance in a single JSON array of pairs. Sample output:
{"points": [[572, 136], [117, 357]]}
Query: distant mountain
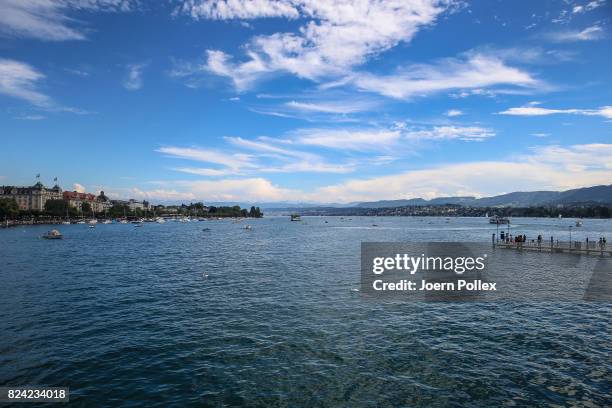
{"points": [[593, 195], [392, 203], [518, 199]]}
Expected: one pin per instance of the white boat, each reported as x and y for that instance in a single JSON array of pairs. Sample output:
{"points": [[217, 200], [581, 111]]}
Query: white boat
{"points": [[66, 223], [92, 226], [295, 217], [123, 222], [81, 222], [579, 223], [160, 221], [92, 221], [499, 220], [53, 234], [107, 222], [184, 220]]}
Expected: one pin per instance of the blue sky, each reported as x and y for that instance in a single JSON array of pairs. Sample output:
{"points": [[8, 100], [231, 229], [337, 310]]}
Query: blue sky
{"points": [[305, 100]]}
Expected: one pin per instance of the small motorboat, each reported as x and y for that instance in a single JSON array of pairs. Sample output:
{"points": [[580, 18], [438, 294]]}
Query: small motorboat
{"points": [[53, 234], [205, 229], [579, 223], [499, 220], [92, 226], [295, 217], [248, 227], [107, 222]]}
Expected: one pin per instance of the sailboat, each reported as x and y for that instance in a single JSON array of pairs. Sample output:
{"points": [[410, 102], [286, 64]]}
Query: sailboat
{"points": [[124, 220], [93, 220], [67, 222]]}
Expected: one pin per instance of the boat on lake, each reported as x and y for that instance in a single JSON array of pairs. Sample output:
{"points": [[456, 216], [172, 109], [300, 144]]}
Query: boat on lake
{"points": [[579, 223], [295, 217], [53, 234], [499, 220]]}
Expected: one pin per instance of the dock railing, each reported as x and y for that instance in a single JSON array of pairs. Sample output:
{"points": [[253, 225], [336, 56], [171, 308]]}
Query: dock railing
{"points": [[556, 246]]}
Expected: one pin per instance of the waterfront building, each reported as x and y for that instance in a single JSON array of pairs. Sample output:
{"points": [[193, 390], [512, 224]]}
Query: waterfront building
{"points": [[76, 200], [31, 198], [133, 204], [103, 203]]}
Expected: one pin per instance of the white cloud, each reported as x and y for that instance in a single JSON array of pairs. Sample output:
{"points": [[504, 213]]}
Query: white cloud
{"points": [[337, 36], [540, 134], [454, 112], [255, 189], [348, 139], [544, 168], [206, 172], [475, 72], [48, 20], [467, 133], [268, 158], [231, 161], [592, 5], [31, 117], [532, 110], [239, 9], [133, 78], [20, 80], [588, 34], [77, 72], [552, 167], [261, 146], [79, 188], [344, 107]]}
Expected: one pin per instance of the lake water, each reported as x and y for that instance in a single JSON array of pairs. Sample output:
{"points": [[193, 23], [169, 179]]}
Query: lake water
{"points": [[171, 315]]}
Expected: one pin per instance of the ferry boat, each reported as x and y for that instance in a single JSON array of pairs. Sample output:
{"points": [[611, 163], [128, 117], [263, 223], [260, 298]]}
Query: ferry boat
{"points": [[295, 217], [53, 234], [499, 220]]}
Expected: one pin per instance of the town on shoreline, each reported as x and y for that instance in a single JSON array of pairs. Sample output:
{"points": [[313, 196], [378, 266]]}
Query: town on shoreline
{"points": [[39, 204]]}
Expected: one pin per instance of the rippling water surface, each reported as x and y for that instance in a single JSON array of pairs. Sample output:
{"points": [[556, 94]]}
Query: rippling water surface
{"points": [[171, 315]]}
